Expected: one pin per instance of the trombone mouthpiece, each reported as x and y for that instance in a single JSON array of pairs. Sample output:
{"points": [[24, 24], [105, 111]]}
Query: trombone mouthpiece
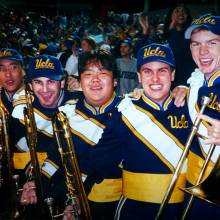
{"points": [[206, 100]]}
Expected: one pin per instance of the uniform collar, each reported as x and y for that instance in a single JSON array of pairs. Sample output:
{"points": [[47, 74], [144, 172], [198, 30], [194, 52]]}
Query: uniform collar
{"points": [[165, 105], [61, 97], [213, 80], [102, 109]]}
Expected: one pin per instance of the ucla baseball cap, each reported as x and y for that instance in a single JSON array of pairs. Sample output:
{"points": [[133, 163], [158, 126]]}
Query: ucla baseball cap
{"points": [[10, 54], [209, 22], [155, 52], [45, 66]]}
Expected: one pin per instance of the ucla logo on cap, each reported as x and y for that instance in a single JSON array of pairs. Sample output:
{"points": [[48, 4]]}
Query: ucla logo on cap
{"points": [[42, 64], [154, 52], [5, 53], [205, 20]]}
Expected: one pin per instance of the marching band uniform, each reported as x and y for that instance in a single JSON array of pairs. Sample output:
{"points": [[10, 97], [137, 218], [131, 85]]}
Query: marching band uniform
{"points": [[48, 156], [200, 87], [6, 102], [154, 141], [97, 142], [45, 134]]}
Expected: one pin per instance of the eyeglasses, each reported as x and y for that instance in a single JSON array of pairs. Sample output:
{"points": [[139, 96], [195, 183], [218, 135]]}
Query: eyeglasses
{"points": [[12, 67]]}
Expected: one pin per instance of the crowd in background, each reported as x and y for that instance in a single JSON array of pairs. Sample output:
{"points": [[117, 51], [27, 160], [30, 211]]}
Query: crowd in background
{"points": [[64, 36]]}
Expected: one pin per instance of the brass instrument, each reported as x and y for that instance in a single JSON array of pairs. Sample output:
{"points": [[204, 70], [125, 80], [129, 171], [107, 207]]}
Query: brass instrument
{"points": [[4, 142], [76, 195], [31, 132], [5, 154], [194, 190], [206, 101], [208, 190]]}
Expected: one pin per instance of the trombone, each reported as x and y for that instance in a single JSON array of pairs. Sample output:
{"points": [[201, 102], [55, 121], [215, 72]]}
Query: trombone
{"points": [[31, 131], [5, 156], [194, 191], [4, 144], [76, 195], [206, 101], [206, 190]]}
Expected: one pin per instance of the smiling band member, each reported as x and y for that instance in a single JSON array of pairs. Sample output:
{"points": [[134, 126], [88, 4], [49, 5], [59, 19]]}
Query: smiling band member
{"points": [[156, 131], [93, 121], [45, 78]]}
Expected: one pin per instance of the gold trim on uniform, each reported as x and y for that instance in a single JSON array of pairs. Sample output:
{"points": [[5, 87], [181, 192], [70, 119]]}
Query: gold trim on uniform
{"points": [[148, 187], [109, 190], [22, 159], [213, 78], [90, 119], [194, 166]]}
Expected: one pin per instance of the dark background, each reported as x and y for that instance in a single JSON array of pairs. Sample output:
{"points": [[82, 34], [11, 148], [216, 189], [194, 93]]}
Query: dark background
{"points": [[98, 7]]}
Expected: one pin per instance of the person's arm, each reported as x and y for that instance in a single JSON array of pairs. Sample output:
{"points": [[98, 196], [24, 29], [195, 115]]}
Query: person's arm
{"points": [[213, 130]]}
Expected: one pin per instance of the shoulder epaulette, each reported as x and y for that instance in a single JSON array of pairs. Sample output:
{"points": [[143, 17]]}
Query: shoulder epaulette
{"points": [[72, 101], [19, 97], [19, 90]]}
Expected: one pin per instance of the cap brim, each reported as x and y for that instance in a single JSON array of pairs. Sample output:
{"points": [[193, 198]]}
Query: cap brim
{"points": [[152, 59], [190, 29], [52, 77], [11, 58]]}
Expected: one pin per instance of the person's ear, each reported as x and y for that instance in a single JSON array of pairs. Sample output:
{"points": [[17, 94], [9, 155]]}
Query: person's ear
{"points": [[173, 75], [139, 77], [30, 85], [115, 82]]}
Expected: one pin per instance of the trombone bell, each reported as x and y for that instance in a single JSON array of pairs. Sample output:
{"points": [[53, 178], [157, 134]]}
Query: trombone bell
{"points": [[208, 190]]}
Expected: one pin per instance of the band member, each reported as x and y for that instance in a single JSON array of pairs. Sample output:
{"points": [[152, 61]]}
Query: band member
{"points": [[45, 78], [156, 131], [11, 80], [95, 133], [11, 75], [204, 35]]}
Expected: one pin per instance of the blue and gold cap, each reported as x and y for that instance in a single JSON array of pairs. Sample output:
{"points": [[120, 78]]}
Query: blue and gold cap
{"points": [[209, 22], [155, 52], [45, 66], [10, 54]]}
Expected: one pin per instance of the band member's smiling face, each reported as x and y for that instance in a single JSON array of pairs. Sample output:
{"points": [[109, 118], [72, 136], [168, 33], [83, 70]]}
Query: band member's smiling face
{"points": [[47, 91], [97, 84], [156, 78]]}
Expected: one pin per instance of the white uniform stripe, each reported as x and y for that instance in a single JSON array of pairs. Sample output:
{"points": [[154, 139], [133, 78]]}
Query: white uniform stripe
{"points": [[42, 123], [22, 145], [147, 129], [49, 168], [87, 128], [119, 207], [196, 81]]}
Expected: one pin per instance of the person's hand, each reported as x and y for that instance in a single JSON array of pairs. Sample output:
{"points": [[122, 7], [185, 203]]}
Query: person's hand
{"points": [[173, 20], [73, 84], [179, 93], [28, 195], [68, 214], [213, 129], [143, 21], [136, 93]]}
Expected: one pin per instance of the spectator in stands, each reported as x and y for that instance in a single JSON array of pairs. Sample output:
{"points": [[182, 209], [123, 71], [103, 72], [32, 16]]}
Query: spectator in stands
{"points": [[177, 20]]}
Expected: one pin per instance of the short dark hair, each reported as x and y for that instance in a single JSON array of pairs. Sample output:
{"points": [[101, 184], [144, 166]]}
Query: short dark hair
{"points": [[104, 57]]}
